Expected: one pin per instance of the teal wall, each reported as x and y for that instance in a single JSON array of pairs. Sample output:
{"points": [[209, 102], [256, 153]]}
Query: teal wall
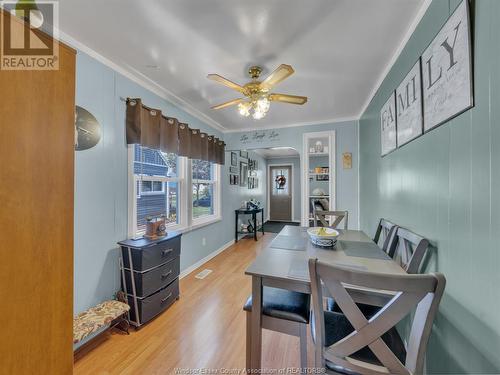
{"points": [[445, 185], [101, 186], [346, 134]]}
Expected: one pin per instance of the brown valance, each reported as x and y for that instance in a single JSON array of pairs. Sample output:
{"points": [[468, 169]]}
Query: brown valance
{"points": [[150, 128]]}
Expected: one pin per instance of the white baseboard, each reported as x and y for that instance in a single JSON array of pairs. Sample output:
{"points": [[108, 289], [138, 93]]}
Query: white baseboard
{"points": [[201, 262]]}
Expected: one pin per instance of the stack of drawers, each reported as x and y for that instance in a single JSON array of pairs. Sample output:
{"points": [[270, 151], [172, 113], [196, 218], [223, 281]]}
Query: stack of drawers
{"points": [[150, 275]]}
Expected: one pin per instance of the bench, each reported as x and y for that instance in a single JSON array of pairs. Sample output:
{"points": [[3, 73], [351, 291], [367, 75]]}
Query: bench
{"points": [[110, 313]]}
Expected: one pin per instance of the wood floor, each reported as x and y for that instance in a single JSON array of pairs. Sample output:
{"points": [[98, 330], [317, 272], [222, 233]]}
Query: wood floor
{"points": [[204, 329]]}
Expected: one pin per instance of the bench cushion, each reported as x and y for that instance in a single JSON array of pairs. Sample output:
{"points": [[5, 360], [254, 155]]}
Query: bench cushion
{"points": [[283, 304], [93, 319]]}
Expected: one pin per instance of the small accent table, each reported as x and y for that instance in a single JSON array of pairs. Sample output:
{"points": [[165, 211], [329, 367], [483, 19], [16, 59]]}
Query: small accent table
{"points": [[253, 212]]}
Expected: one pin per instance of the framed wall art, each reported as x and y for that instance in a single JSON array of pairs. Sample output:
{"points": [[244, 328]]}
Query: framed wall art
{"points": [[388, 125], [447, 70], [409, 114]]}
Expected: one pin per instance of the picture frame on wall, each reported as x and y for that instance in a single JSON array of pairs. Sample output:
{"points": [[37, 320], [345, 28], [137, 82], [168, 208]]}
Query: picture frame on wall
{"points": [[234, 159], [243, 173], [244, 154], [409, 112], [447, 77], [388, 125]]}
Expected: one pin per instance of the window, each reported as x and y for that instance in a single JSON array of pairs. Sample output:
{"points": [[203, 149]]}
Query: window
{"points": [[203, 188], [161, 185], [156, 186]]}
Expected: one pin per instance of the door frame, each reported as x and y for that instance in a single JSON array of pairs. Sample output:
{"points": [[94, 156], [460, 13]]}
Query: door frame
{"points": [[268, 188]]}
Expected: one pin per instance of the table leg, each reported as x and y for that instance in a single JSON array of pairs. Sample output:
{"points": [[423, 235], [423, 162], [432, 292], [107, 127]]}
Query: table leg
{"points": [[262, 221], [254, 226], [256, 332], [236, 227]]}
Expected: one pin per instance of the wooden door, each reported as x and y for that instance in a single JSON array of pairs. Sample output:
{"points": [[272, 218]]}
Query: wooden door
{"points": [[36, 218], [280, 193]]}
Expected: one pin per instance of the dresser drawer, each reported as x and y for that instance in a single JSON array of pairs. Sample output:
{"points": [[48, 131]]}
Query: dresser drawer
{"points": [[153, 255], [151, 306], [150, 281]]}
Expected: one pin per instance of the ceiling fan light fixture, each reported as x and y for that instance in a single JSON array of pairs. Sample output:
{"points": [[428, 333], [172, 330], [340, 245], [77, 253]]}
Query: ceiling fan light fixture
{"points": [[244, 109]]}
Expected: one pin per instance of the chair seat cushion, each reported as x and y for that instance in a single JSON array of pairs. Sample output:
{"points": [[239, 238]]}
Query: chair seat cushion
{"points": [[283, 304], [337, 326]]}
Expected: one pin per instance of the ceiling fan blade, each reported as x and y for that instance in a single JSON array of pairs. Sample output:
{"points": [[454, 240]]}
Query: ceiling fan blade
{"points": [[281, 73], [284, 98], [229, 103], [225, 82]]}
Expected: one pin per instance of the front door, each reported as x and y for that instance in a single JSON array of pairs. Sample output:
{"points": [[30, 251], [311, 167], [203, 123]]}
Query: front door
{"points": [[280, 197]]}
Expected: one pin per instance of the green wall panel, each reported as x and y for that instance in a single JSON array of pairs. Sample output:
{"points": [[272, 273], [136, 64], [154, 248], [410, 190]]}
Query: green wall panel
{"points": [[445, 185]]}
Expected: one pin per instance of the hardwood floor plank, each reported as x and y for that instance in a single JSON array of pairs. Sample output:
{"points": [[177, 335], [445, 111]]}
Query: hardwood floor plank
{"points": [[204, 329]]}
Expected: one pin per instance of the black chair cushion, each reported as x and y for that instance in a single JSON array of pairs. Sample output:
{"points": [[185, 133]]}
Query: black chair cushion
{"points": [[367, 310], [283, 304], [337, 326]]}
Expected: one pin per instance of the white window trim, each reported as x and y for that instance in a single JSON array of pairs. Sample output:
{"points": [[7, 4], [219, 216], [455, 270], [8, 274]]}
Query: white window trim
{"points": [[152, 179], [185, 210]]}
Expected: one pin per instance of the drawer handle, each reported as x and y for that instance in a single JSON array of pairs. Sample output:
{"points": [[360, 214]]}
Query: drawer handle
{"points": [[165, 275], [166, 252], [166, 298]]}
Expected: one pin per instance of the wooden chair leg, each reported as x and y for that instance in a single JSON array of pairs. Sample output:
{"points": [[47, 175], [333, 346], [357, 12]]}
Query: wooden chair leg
{"points": [[249, 341], [303, 345]]}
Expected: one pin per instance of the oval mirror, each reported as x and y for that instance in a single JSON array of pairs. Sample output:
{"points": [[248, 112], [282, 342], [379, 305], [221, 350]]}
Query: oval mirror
{"points": [[87, 128]]}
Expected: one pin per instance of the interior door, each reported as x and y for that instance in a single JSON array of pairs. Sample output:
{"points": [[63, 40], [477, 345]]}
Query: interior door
{"points": [[280, 197]]}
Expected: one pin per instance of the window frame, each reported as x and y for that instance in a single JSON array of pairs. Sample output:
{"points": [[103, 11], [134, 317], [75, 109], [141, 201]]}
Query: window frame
{"points": [[184, 179]]}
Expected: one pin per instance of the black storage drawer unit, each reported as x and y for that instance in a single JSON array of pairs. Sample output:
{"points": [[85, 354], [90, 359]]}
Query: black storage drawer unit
{"points": [[156, 303], [153, 253], [150, 275], [150, 281]]}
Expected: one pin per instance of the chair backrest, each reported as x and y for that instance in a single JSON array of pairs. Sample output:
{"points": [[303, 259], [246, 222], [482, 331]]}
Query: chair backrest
{"points": [[339, 216], [408, 249], [421, 291], [385, 233]]}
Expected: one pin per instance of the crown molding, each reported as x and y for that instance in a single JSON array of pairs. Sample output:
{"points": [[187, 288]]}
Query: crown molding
{"points": [[141, 80], [418, 17], [296, 124]]}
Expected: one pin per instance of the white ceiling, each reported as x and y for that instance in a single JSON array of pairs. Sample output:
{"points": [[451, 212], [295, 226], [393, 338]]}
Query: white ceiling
{"points": [[339, 49], [278, 152]]}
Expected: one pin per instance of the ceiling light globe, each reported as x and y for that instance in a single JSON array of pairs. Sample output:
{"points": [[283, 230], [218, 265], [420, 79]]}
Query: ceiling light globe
{"points": [[244, 109]]}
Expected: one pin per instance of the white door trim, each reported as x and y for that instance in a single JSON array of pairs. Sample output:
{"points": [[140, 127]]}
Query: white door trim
{"points": [[268, 188]]}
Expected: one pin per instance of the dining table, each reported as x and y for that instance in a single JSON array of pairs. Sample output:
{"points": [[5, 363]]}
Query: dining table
{"points": [[284, 264]]}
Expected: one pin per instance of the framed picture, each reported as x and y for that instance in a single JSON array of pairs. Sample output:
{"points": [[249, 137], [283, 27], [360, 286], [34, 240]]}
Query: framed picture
{"points": [[409, 116], [244, 154], [322, 177], [447, 70], [234, 170], [388, 125], [234, 159], [243, 173]]}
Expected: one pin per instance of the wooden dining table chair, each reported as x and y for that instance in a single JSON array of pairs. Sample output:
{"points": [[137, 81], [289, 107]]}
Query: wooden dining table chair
{"points": [[408, 249], [339, 216], [385, 234], [348, 342]]}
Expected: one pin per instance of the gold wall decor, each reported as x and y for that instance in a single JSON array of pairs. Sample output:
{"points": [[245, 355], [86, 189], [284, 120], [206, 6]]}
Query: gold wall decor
{"points": [[347, 160]]}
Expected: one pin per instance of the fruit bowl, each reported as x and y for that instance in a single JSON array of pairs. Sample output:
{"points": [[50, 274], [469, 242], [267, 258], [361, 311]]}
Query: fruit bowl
{"points": [[321, 236]]}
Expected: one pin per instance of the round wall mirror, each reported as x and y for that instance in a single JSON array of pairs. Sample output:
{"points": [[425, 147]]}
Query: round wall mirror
{"points": [[87, 129]]}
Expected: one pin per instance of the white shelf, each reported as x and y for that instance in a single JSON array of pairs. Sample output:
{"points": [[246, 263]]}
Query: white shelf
{"points": [[319, 196], [319, 174]]}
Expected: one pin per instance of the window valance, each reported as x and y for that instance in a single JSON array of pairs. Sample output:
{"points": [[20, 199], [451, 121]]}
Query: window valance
{"points": [[150, 128]]}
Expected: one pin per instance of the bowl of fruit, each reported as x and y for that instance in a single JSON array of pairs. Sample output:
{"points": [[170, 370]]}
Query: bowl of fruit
{"points": [[322, 236]]}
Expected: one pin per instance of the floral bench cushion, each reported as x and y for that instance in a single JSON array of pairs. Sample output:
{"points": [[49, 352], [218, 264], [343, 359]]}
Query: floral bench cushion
{"points": [[93, 319]]}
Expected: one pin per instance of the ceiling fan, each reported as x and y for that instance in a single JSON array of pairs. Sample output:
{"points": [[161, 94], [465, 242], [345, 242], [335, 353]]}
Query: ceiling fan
{"points": [[257, 98]]}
